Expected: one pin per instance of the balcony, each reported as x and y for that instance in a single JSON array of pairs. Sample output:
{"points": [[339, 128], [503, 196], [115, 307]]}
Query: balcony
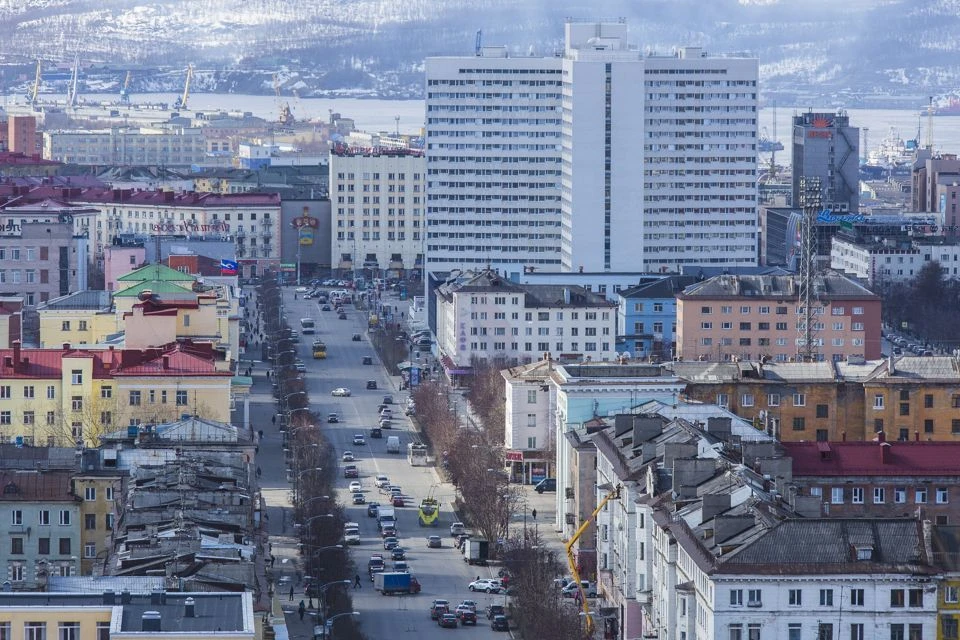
{"points": [[240, 234]]}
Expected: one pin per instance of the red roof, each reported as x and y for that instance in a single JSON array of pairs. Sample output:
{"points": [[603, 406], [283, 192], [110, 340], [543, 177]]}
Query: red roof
{"points": [[176, 360], [26, 194], [908, 458], [9, 158]]}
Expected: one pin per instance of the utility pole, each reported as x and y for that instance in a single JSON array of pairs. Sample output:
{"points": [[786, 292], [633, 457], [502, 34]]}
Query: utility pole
{"points": [[810, 195]]}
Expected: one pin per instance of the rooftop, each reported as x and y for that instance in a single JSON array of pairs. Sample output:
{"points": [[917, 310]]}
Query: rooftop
{"points": [[81, 300], [156, 272], [907, 458], [829, 286], [36, 486]]}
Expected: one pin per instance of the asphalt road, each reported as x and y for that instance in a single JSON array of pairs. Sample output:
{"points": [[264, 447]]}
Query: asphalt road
{"points": [[441, 572]]}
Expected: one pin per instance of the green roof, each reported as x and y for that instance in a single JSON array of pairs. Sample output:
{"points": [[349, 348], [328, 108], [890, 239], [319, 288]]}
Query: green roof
{"points": [[155, 286], [156, 272]]}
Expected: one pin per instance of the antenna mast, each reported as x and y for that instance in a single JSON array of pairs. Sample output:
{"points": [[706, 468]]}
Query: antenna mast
{"points": [[810, 194]]}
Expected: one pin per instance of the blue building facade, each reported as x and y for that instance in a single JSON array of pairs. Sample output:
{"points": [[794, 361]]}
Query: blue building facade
{"points": [[647, 317]]}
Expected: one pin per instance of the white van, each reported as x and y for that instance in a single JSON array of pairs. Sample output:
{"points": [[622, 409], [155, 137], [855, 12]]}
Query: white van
{"points": [[351, 532], [393, 444]]}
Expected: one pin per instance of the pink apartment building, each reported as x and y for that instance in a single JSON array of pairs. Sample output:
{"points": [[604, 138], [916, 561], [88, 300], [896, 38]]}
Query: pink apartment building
{"points": [[750, 317]]}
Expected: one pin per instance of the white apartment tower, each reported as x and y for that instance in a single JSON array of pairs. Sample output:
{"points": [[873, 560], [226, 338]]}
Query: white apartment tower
{"points": [[602, 159], [493, 162], [603, 185]]}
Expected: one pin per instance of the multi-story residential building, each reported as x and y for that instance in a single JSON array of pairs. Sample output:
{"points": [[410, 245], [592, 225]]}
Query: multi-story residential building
{"points": [[493, 161], [527, 421], [749, 317], [126, 615], [40, 261], [62, 396], [877, 479], [170, 146], [11, 321], [893, 260], [574, 138], [647, 317], [926, 195], [121, 259], [486, 316], [101, 491], [378, 202], [825, 146], [85, 317], [20, 165], [40, 520]]}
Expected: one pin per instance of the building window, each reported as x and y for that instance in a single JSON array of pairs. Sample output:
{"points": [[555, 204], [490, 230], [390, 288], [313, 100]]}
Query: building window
{"points": [[44, 517], [836, 495], [65, 517], [76, 403], [109, 492], [904, 408], [134, 398], [736, 631], [16, 546], [532, 443], [65, 546], [32, 630], [106, 392], [826, 597], [532, 420], [856, 495], [746, 400], [823, 411], [181, 398], [16, 517], [43, 546], [5, 631], [896, 598], [90, 550], [754, 598], [951, 594], [723, 400], [856, 597], [949, 628], [879, 495], [795, 597], [799, 400], [531, 397], [928, 426], [878, 401], [736, 597], [856, 631], [824, 631], [954, 425], [943, 495], [799, 423], [76, 376], [90, 521], [916, 597], [793, 631], [773, 400], [928, 401], [753, 631], [920, 496], [900, 495], [16, 573], [90, 493], [68, 631]]}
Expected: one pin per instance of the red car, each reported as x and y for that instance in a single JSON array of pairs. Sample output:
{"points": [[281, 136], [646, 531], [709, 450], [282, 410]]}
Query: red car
{"points": [[466, 615], [398, 501]]}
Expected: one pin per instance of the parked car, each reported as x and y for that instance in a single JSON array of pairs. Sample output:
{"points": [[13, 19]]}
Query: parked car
{"points": [[434, 542], [301, 367], [487, 585], [500, 623], [547, 484], [571, 590], [372, 509], [340, 392]]}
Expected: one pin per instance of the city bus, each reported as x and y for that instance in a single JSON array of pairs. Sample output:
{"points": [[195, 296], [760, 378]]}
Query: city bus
{"points": [[306, 326]]}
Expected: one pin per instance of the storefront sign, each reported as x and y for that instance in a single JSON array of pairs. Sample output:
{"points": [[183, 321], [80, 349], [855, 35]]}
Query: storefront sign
{"points": [[514, 456]]}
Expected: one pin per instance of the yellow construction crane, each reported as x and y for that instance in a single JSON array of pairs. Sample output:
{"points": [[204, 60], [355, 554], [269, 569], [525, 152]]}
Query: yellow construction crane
{"points": [[36, 86], [613, 494], [125, 89], [181, 102]]}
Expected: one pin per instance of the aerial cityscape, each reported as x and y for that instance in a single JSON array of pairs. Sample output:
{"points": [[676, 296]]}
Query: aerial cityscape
{"points": [[552, 327]]}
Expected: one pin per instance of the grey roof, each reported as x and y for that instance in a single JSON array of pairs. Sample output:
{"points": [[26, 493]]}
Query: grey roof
{"points": [[924, 368], [666, 287], [535, 295], [830, 546], [829, 286], [79, 300], [98, 584], [225, 612]]}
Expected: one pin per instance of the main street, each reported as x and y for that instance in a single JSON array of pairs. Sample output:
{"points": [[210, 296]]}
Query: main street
{"points": [[442, 572]]}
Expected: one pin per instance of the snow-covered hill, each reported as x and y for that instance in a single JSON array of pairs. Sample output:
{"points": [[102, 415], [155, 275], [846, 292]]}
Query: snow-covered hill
{"points": [[820, 46]]}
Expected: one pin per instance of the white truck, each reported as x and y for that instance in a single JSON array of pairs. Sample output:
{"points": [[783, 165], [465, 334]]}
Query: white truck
{"points": [[393, 444], [351, 532], [386, 517]]}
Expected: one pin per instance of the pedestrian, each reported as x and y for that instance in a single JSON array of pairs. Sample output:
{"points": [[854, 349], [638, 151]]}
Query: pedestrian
{"points": [[356, 582], [302, 609], [268, 377], [273, 419], [534, 514], [259, 473], [273, 560], [291, 593], [260, 434]]}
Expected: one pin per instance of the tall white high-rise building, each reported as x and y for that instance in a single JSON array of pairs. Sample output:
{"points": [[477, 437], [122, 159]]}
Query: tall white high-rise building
{"points": [[700, 161], [493, 162], [602, 156], [602, 159]]}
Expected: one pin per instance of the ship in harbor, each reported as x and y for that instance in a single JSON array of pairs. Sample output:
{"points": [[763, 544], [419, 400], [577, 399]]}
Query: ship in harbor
{"points": [[948, 106]]}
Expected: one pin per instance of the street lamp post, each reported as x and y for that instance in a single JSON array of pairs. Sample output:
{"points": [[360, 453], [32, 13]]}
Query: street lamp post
{"points": [[329, 623]]}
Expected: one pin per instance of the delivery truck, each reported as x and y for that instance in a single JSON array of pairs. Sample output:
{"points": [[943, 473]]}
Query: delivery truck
{"points": [[395, 582], [476, 551]]}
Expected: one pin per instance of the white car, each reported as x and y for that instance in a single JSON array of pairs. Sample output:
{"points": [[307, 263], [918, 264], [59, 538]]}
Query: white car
{"points": [[355, 486], [457, 528], [347, 456], [382, 481], [487, 585], [340, 392], [359, 439], [301, 289]]}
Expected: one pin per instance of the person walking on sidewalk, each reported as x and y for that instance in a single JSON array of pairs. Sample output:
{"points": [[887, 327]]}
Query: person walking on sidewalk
{"points": [[291, 593], [533, 513], [302, 609], [356, 582]]}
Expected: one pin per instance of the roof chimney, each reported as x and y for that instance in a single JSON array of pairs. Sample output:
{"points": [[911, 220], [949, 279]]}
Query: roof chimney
{"points": [[166, 362], [190, 610], [125, 597], [891, 364], [16, 355], [109, 597], [885, 452], [150, 621]]}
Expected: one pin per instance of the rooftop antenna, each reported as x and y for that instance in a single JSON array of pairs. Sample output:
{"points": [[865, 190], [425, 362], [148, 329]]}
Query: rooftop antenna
{"points": [[810, 194], [479, 42], [397, 120]]}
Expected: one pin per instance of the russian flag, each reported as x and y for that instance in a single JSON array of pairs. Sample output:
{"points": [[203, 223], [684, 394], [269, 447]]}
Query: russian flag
{"points": [[228, 267]]}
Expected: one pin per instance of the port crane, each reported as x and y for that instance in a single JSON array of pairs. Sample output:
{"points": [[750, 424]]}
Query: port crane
{"points": [[36, 86], [285, 117], [613, 494], [181, 102], [125, 89], [72, 94]]}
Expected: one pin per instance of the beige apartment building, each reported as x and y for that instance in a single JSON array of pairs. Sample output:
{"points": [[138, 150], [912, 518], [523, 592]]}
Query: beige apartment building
{"points": [[750, 317], [378, 206]]}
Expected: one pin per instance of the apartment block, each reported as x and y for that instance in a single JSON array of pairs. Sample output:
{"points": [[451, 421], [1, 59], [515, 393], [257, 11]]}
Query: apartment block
{"points": [[749, 317], [893, 260], [378, 201], [825, 146], [482, 315], [493, 136], [168, 146], [40, 261]]}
